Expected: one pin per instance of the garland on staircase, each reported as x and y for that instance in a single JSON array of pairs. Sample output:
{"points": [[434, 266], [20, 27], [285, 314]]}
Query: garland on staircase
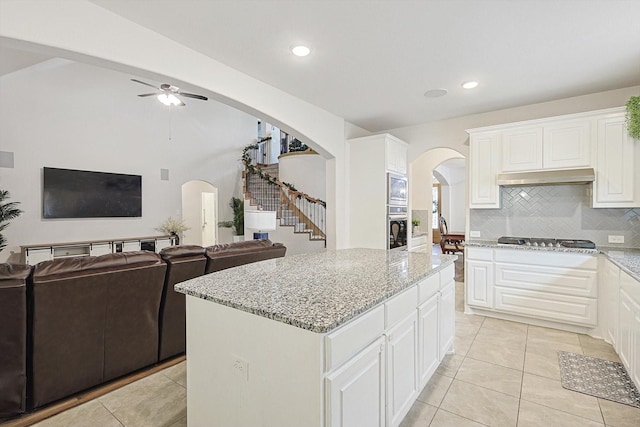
{"points": [[271, 180]]}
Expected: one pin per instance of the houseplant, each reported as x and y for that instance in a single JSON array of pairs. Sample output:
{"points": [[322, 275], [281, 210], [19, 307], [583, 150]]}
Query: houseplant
{"points": [[8, 212], [237, 205], [633, 117], [173, 226]]}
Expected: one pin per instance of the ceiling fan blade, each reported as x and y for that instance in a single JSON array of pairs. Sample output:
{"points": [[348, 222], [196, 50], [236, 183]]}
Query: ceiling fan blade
{"points": [[192, 95], [182, 104], [148, 94], [145, 83]]}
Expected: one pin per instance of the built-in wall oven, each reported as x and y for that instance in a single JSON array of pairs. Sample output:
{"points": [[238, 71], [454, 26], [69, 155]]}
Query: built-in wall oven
{"points": [[397, 190], [397, 227]]}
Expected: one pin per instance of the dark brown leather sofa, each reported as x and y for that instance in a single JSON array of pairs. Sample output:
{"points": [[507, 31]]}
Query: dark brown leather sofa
{"points": [[92, 319], [13, 338], [183, 263], [220, 257]]}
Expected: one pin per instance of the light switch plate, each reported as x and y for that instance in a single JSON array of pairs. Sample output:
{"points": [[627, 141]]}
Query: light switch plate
{"points": [[616, 239]]}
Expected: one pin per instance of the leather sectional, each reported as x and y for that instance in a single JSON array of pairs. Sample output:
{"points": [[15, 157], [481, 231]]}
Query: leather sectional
{"points": [[71, 324]]}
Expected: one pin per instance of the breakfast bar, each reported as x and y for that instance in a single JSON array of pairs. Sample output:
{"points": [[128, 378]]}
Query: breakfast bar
{"points": [[339, 338]]}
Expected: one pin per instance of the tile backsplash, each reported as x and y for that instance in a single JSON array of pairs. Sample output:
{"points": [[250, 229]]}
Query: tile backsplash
{"points": [[558, 211]]}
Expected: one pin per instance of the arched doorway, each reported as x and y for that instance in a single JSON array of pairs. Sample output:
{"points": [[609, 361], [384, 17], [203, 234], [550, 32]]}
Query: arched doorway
{"points": [[422, 171], [200, 213]]}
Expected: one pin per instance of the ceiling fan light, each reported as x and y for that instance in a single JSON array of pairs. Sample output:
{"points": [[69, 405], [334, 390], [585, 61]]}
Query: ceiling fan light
{"points": [[164, 99], [169, 99]]}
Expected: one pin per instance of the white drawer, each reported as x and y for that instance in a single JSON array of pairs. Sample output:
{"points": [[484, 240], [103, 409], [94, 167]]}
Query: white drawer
{"points": [[544, 305], [428, 287], [551, 258], [398, 307], [566, 281], [349, 339], [447, 275], [480, 254]]}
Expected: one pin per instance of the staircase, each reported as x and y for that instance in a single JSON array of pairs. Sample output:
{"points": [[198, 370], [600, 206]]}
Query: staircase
{"points": [[293, 208]]}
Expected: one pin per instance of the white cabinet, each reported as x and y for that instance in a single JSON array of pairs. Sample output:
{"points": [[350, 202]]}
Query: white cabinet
{"points": [[551, 145], [446, 318], [97, 249], [402, 368], [484, 156], [370, 158], [629, 327], [555, 286], [479, 277], [617, 183], [32, 256], [396, 155], [355, 393], [567, 144], [429, 354], [522, 149], [610, 292]]}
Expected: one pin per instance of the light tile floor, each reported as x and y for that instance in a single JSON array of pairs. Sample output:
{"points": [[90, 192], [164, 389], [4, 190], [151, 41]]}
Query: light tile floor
{"points": [[502, 374]]}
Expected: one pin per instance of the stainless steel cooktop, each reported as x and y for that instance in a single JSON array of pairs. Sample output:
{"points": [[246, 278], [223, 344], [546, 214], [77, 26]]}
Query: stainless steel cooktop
{"points": [[547, 242]]}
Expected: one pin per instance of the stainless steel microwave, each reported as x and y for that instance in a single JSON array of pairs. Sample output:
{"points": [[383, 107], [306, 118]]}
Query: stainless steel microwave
{"points": [[397, 190]]}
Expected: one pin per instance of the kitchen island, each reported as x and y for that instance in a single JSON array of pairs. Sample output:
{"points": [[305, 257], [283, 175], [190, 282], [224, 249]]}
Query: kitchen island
{"points": [[338, 338]]}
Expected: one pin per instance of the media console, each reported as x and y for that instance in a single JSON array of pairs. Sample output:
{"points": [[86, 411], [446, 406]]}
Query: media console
{"points": [[33, 254]]}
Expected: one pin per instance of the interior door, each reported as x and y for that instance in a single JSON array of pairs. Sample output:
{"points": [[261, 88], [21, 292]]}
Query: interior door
{"points": [[209, 228]]}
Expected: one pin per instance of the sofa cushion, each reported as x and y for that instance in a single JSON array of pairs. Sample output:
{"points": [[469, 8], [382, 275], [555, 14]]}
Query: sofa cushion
{"points": [[220, 257], [13, 338]]}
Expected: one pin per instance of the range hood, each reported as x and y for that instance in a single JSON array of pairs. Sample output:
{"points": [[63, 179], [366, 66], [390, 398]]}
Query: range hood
{"points": [[565, 176]]}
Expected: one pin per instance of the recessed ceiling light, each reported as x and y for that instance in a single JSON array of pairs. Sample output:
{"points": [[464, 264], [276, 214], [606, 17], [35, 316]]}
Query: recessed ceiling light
{"points": [[435, 93], [300, 50], [469, 85]]}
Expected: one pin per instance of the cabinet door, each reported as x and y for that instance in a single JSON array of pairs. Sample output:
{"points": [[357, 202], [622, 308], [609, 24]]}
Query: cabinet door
{"points": [[428, 348], [612, 297], [396, 157], [97, 249], [479, 283], [635, 363], [355, 393], [447, 318], [567, 145], [625, 347], [483, 169], [402, 369], [522, 149], [34, 256], [616, 179]]}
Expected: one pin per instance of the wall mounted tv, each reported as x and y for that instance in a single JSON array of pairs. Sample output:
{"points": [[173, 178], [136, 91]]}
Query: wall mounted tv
{"points": [[69, 193]]}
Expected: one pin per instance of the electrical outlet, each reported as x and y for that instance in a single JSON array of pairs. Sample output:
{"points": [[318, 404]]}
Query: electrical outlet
{"points": [[240, 367], [474, 233], [616, 239]]}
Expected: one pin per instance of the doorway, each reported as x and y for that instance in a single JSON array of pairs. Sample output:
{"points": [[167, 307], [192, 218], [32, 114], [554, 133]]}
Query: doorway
{"points": [[200, 213]]}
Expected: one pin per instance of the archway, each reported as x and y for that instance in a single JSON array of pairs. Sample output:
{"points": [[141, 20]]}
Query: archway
{"points": [[200, 213], [421, 172]]}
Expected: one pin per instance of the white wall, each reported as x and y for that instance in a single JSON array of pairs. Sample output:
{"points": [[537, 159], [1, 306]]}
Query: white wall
{"points": [[306, 172], [453, 193], [70, 115]]}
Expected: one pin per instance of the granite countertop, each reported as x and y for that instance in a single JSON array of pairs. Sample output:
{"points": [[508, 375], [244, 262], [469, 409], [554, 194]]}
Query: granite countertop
{"points": [[318, 292], [495, 244], [627, 259]]}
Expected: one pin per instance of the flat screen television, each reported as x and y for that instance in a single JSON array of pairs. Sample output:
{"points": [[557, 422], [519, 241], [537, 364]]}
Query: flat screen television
{"points": [[69, 193]]}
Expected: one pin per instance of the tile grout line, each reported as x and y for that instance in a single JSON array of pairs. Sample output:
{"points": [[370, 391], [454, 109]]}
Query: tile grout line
{"points": [[112, 414], [524, 363]]}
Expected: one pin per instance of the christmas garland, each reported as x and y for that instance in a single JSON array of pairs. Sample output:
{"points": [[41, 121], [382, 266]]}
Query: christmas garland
{"points": [[246, 160]]}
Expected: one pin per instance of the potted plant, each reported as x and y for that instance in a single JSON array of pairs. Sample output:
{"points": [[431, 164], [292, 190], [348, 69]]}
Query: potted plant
{"points": [[415, 223], [174, 227], [237, 205], [633, 117], [8, 212]]}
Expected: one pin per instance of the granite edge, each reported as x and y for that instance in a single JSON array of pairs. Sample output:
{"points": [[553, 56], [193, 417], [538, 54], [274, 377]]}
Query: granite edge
{"points": [[450, 259]]}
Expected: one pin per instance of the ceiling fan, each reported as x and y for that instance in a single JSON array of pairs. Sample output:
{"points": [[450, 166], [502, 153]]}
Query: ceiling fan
{"points": [[168, 94]]}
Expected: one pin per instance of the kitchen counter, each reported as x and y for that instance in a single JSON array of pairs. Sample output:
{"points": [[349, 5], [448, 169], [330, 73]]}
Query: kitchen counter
{"points": [[626, 258], [317, 292], [495, 244]]}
